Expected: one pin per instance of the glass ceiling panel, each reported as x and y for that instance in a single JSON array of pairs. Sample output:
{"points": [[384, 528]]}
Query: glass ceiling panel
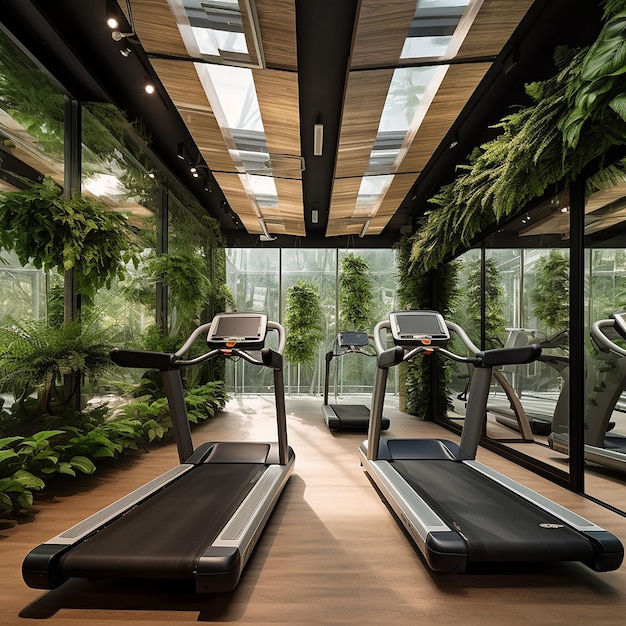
{"points": [[433, 27], [437, 31]]}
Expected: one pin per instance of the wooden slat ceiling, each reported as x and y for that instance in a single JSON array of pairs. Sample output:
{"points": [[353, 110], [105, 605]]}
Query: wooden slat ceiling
{"points": [[378, 39]]}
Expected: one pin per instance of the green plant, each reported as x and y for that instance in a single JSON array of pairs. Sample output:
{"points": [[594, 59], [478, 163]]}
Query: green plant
{"points": [[573, 118], [494, 303], [550, 295], [51, 231], [355, 294], [38, 357], [304, 325]]}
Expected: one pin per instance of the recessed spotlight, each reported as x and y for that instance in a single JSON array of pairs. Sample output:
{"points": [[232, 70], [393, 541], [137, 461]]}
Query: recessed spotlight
{"points": [[149, 88], [113, 23]]}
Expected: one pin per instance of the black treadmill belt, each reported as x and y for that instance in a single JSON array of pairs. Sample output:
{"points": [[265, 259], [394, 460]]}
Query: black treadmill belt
{"points": [[496, 524], [350, 413], [164, 536]]}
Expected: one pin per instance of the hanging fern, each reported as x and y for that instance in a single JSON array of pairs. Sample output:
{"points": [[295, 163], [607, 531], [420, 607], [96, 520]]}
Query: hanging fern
{"points": [[51, 231], [574, 117], [355, 294]]}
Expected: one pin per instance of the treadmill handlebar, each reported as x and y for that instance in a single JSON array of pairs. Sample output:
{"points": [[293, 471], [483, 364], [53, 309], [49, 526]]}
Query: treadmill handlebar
{"points": [[600, 338], [142, 358], [509, 356]]}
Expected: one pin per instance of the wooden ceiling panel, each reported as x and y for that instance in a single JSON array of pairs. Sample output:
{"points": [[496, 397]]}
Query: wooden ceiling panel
{"points": [[493, 26], [277, 23], [156, 27], [277, 94], [457, 87], [238, 200], [381, 32], [363, 104]]}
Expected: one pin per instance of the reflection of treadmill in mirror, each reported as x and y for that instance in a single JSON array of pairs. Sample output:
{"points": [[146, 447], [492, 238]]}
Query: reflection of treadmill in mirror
{"points": [[458, 511], [347, 416], [199, 521], [605, 382], [536, 409]]}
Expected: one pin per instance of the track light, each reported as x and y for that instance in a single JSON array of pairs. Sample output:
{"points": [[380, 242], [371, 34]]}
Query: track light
{"points": [[117, 36], [181, 151], [111, 14], [125, 51]]}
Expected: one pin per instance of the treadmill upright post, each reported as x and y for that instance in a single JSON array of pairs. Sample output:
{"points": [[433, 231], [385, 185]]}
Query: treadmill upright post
{"points": [[475, 414], [173, 385]]}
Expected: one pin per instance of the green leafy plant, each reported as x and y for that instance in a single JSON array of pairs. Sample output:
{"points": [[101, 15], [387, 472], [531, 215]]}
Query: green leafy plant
{"points": [[550, 294], [51, 231], [304, 324], [573, 118], [35, 357], [415, 291], [355, 294]]}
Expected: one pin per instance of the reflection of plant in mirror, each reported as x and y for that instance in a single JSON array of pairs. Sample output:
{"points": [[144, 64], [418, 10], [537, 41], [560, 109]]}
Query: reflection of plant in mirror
{"points": [[494, 303], [355, 294], [550, 295]]}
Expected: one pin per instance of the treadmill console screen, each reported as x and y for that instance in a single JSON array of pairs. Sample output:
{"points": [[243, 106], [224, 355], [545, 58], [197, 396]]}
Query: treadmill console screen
{"points": [[348, 339], [418, 328], [244, 330], [620, 323]]}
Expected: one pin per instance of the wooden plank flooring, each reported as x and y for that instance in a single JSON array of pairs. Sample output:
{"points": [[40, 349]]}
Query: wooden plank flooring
{"points": [[331, 553]]}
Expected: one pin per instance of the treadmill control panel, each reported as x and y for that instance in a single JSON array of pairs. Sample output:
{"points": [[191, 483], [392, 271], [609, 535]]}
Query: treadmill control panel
{"points": [[241, 330], [418, 328], [347, 339]]}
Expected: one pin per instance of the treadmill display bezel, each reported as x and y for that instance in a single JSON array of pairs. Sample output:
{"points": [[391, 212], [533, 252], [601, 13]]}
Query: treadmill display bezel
{"points": [[217, 338], [425, 338]]}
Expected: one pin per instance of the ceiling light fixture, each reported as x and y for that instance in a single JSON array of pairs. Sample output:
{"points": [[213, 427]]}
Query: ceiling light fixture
{"points": [[111, 14], [315, 214], [318, 139], [266, 233], [149, 88], [368, 221], [125, 51], [181, 151], [117, 36]]}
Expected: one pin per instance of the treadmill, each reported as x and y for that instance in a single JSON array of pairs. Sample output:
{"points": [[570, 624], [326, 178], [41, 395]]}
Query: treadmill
{"points": [[200, 520], [604, 385], [347, 416], [459, 512]]}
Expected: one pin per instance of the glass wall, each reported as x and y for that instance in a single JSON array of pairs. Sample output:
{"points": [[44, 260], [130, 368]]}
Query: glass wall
{"points": [[260, 279]]}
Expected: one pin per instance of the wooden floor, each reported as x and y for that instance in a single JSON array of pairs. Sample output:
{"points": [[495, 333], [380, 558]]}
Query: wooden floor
{"points": [[331, 553]]}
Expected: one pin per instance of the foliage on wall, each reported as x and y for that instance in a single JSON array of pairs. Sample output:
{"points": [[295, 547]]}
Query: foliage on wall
{"points": [[573, 119], [415, 291], [51, 231], [304, 325], [355, 294]]}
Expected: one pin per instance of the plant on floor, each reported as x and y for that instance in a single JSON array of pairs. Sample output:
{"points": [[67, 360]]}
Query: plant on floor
{"points": [[574, 117]]}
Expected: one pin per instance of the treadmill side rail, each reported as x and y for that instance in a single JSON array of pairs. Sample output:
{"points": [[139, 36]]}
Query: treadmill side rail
{"points": [[220, 566], [443, 548]]}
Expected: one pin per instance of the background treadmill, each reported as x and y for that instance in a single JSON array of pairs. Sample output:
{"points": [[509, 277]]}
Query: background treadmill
{"points": [[200, 520], [347, 416], [605, 382], [458, 511]]}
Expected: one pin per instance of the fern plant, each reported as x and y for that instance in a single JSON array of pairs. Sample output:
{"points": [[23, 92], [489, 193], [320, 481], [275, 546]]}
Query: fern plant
{"points": [[572, 119], [550, 295]]}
